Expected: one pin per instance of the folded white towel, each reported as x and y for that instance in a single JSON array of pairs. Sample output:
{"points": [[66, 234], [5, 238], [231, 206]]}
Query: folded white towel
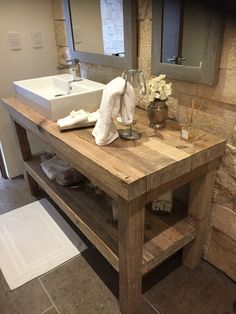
{"points": [[163, 203], [114, 103], [78, 118]]}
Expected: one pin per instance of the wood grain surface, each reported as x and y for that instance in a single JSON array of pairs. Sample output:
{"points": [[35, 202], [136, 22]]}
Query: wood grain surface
{"points": [[130, 168]]}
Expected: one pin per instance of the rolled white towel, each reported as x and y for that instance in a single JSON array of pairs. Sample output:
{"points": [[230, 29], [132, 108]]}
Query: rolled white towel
{"points": [[163, 203], [93, 116], [77, 119], [73, 118]]}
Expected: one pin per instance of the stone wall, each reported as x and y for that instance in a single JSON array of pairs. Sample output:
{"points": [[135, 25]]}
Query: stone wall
{"points": [[216, 114]]}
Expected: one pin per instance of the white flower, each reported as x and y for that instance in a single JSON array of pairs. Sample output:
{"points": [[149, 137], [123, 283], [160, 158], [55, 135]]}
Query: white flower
{"points": [[157, 88]]}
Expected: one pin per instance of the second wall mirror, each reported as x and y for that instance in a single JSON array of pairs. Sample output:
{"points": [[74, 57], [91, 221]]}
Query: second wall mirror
{"points": [[186, 40], [102, 32]]}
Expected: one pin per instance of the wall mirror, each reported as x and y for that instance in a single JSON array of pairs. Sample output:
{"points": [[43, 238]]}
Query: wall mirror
{"points": [[102, 32], [186, 40]]}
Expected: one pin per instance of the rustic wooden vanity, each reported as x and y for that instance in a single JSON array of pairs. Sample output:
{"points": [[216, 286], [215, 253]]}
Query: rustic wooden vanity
{"points": [[132, 173]]}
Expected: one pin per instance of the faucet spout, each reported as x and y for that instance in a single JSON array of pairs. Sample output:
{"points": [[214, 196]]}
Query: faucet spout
{"points": [[74, 73], [74, 65]]}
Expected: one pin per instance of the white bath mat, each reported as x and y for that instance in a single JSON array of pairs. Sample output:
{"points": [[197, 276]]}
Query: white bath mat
{"points": [[33, 240]]}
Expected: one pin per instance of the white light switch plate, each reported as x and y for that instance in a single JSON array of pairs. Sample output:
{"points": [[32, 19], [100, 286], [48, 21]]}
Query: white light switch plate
{"points": [[36, 37], [14, 40]]}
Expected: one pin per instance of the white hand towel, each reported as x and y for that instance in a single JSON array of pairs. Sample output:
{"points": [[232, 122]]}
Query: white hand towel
{"points": [[163, 203], [93, 116], [78, 119], [113, 104], [73, 118]]}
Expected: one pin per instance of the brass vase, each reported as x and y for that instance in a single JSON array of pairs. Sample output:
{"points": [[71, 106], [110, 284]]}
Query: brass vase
{"points": [[157, 112]]}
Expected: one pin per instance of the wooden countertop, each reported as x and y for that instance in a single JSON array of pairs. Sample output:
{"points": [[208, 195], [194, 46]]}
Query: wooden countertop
{"points": [[125, 168]]}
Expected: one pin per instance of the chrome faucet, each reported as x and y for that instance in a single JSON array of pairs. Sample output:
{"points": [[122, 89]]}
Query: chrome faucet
{"points": [[72, 64]]}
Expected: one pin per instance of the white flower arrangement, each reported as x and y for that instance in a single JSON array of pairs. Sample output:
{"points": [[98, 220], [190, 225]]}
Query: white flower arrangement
{"points": [[157, 88]]}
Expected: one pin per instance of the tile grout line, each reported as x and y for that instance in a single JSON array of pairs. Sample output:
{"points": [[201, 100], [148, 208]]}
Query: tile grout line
{"points": [[54, 305], [151, 305], [71, 259]]}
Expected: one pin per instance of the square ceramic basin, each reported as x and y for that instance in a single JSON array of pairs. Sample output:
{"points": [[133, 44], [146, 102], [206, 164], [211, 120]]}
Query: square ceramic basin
{"points": [[52, 96]]}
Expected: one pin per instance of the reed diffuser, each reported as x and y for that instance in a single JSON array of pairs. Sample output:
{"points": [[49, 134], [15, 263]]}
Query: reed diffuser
{"points": [[188, 131]]}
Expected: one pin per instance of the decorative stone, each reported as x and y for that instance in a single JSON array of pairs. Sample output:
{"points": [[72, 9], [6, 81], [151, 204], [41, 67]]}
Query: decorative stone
{"points": [[57, 9], [228, 56], [142, 101], [211, 116], [224, 91], [183, 87], [144, 9], [229, 160], [173, 108], [60, 33], [234, 136], [145, 66], [224, 219], [225, 189], [99, 73], [222, 253], [63, 54], [145, 39]]}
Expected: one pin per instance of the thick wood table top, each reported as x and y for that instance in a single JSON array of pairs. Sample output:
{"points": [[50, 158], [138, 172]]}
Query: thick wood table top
{"points": [[127, 168]]}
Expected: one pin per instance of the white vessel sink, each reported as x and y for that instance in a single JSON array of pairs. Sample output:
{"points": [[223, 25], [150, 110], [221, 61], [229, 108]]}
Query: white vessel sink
{"points": [[52, 97]]}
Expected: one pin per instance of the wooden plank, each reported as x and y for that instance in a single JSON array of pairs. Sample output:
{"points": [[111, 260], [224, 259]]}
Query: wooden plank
{"points": [[25, 154], [167, 243], [187, 155], [129, 167], [23, 120], [61, 150], [145, 161], [199, 209], [126, 180], [131, 233], [84, 212], [120, 176], [22, 141], [175, 183], [204, 149]]}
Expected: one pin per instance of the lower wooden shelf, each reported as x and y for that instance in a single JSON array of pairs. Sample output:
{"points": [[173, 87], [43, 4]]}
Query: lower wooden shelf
{"points": [[164, 235]]}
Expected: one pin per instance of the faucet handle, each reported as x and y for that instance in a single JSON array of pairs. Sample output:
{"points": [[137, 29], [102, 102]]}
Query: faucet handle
{"points": [[73, 61]]}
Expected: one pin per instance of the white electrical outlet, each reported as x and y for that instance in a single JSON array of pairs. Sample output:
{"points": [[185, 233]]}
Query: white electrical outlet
{"points": [[14, 40], [36, 37]]}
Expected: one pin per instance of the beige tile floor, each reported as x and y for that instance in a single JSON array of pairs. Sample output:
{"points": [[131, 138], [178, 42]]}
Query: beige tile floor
{"points": [[88, 284]]}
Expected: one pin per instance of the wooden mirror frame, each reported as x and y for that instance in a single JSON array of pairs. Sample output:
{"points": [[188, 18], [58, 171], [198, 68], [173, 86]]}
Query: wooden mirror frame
{"points": [[129, 61], [208, 73]]}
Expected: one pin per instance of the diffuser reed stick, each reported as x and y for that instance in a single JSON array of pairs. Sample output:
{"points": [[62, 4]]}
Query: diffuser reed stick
{"points": [[187, 131]]}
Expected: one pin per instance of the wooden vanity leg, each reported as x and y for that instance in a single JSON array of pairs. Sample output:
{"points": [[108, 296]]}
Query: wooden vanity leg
{"points": [[24, 146], [199, 209], [131, 235]]}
